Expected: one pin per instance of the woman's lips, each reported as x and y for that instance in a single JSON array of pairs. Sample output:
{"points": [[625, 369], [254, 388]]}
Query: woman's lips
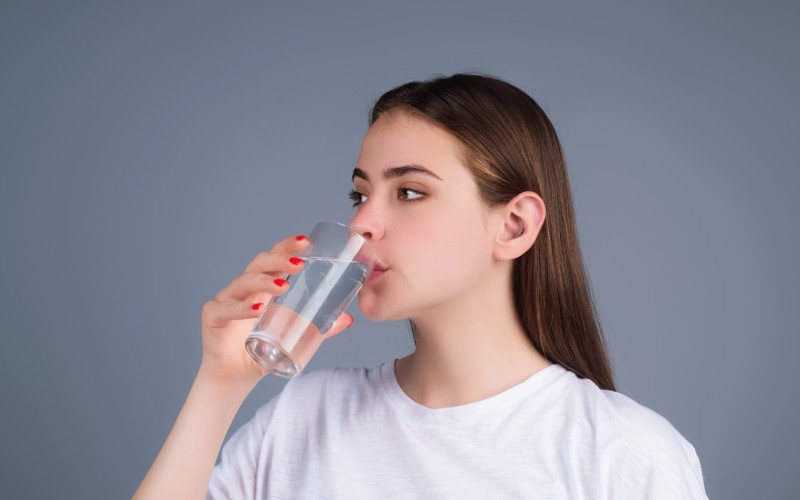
{"points": [[375, 274]]}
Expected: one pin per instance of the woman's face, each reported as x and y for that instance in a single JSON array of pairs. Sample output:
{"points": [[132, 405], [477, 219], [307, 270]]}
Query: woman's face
{"points": [[430, 230]]}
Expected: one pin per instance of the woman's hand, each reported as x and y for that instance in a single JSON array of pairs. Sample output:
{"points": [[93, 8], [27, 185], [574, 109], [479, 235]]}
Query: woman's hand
{"points": [[228, 318]]}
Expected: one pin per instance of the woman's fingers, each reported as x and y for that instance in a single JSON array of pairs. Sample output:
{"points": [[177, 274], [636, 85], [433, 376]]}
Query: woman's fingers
{"points": [[264, 275], [264, 262], [229, 317], [261, 280], [252, 284], [218, 313]]}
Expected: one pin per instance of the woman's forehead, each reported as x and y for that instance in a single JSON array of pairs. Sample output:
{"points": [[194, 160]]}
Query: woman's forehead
{"points": [[399, 143]]}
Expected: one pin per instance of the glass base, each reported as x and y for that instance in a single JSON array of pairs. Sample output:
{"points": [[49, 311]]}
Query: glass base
{"points": [[271, 356]]}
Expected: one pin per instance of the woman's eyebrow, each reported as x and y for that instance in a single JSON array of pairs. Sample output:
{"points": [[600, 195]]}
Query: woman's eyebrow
{"points": [[394, 172]]}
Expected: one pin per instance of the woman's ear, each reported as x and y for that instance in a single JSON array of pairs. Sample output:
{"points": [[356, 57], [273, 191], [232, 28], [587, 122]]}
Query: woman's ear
{"points": [[519, 223]]}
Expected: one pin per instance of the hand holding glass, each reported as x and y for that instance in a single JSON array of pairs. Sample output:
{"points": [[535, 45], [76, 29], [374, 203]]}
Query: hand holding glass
{"points": [[337, 262]]}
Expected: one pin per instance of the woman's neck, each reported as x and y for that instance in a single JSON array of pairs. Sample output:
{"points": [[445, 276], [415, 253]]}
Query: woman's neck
{"points": [[468, 351]]}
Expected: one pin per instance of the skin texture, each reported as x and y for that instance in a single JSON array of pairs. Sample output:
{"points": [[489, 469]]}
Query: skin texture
{"points": [[450, 259]]}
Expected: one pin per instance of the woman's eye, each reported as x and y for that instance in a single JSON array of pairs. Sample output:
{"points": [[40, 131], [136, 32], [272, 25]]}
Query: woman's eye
{"points": [[408, 190], [356, 197]]}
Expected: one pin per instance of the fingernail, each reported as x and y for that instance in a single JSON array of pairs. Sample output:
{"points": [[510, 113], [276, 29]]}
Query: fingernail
{"points": [[280, 282], [256, 307], [296, 261], [301, 238]]}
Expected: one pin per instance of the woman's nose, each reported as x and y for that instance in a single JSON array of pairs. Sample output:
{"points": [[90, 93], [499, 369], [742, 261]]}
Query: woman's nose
{"points": [[366, 225]]}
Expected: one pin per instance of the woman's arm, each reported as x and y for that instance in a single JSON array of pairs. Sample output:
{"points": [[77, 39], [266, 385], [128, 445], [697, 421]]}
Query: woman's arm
{"points": [[183, 467], [227, 374]]}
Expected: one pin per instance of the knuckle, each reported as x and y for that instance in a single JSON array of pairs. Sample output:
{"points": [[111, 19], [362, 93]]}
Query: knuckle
{"points": [[274, 261], [281, 244], [208, 308], [245, 278]]}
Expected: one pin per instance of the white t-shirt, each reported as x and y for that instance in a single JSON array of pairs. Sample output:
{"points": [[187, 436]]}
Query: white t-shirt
{"points": [[354, 433]]}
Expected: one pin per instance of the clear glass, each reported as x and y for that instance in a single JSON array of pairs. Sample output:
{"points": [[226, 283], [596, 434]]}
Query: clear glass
{"points": [[337, 262]]}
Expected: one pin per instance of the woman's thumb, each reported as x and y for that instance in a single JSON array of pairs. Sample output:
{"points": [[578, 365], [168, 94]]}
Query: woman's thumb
{"points": [[343, 322]]}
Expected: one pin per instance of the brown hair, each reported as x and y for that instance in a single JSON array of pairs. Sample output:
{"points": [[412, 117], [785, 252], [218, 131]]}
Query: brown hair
{"points": [[511, 147]]}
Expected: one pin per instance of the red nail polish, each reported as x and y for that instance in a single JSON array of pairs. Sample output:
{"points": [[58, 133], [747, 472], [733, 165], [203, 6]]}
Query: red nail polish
{"points": [[280, 282], [301, 238], [256, 307], [296, 260]]}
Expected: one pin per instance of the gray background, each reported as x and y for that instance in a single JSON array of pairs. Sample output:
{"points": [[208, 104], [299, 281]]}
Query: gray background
{"points": [[149, 151]]}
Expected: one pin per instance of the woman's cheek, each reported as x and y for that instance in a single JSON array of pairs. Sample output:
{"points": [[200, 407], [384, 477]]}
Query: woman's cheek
{"points": [[444, 271]]}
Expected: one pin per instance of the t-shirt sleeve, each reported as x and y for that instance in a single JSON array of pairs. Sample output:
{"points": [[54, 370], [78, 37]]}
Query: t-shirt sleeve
{"points": [[657, 467], [236, 473]]}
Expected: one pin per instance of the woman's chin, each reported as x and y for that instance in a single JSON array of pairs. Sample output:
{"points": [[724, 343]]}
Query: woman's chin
{"points": [[373, 308], [370, 312]]}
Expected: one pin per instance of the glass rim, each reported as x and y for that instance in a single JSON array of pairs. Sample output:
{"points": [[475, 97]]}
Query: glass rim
{"points": [[365, 248], [352, 231]]}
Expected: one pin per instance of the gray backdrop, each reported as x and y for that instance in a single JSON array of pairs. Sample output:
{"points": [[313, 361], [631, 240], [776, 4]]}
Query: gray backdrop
{"points": [[149, 151]]}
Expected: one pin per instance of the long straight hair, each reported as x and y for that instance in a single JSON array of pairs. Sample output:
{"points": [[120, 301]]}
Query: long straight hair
{"points": [[511, 147]]}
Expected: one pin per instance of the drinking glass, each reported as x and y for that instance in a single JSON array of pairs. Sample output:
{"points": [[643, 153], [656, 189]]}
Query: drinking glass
{"points": [[337, 262]]}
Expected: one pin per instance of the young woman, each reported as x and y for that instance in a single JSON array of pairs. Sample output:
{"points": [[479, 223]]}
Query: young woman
{"points": [[462, 190]]}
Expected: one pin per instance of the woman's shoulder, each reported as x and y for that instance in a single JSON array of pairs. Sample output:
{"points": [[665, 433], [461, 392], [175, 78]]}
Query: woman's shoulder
{"points": [[629, 432], [624, 415]]}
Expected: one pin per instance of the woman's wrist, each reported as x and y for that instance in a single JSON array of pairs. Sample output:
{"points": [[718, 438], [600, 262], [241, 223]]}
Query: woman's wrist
{"points": [[222, 386]]}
